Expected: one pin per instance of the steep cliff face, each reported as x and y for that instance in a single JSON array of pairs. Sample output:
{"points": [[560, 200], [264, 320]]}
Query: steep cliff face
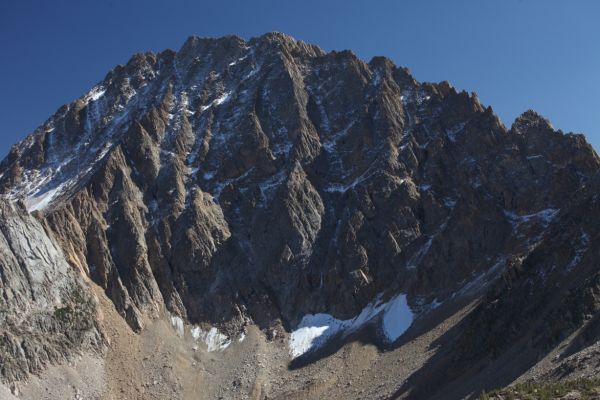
{"points": [[259, 181], [545, 306], [46, 311]]}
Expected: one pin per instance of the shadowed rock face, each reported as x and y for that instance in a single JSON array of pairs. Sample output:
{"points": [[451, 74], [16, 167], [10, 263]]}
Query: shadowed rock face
{"points": [[46, 311], [267, 179]]}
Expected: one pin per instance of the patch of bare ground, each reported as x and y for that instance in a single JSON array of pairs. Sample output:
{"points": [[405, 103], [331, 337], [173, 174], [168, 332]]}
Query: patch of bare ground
{"points": [[158, 364]]}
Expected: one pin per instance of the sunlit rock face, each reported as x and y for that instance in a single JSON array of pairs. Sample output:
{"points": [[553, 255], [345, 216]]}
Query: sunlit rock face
{"points": [[46, 311]]}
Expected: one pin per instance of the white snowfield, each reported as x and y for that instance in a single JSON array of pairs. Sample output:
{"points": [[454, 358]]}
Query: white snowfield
{"points": [[315, 330]]}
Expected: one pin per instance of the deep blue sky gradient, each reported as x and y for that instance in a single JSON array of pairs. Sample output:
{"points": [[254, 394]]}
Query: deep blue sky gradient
{"points": [[516, 54]]}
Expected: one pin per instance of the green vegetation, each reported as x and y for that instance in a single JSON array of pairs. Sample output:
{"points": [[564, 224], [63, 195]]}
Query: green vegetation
{"points": [[63, 313], [578, 389]]}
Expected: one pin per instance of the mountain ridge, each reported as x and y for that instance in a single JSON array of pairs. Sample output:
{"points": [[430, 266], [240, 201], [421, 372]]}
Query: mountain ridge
{"points": [[256, 183]]}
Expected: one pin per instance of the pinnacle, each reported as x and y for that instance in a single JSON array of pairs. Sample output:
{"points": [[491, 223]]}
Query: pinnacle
{"points": [[528, 119]]}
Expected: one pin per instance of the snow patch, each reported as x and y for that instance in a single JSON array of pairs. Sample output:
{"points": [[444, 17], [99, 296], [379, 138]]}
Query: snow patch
{"points": [[416, 259], [397, 318], [209, 175], [42, 201], [449, 202], [544, 216], [282, 149], [177, 324], [340, 188], [481, 280], [330, 143], [214, 340], [269, 185], [422, 307], [218, 101], [315, 330], [535, 157], [435, 304], [452, 132], [95, 93], [584, 243], [231, 64], [222, 99]]}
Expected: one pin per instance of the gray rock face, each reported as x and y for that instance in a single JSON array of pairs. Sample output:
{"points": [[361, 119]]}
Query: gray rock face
{"points": [[267, 179], [46, 311]]}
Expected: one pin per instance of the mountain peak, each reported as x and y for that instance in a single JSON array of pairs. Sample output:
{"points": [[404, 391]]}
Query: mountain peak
{"points": [[270, 187], [530, 119], [196, 43]]}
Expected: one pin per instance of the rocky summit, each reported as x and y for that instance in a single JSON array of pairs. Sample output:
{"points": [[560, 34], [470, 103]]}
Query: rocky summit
{"points": [[263, 219]]}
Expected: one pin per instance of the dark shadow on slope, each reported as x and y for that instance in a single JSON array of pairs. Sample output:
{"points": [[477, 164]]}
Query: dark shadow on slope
{"points": [[371, 334], [587, 337], [450, 375], [366, 335], [458, 370]]}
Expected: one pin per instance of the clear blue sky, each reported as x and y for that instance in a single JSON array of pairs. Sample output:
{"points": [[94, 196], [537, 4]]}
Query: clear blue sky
{"points": [[516, 54]]}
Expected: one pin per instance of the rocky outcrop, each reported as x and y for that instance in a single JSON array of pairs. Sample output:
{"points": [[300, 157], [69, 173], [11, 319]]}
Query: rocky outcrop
{"points": [[47, 312]]}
